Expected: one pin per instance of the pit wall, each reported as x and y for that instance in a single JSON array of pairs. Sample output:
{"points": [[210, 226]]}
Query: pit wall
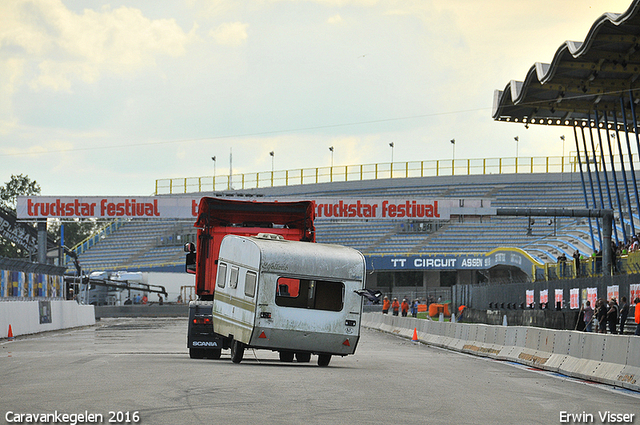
{"points": [[22, 284], [605, 358], [28, 317]]}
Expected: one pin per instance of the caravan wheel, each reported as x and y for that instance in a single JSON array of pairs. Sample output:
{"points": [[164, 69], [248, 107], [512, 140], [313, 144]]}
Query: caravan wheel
{"points": [[324, 359], [303, 357], [237, 351], [286, 356]]}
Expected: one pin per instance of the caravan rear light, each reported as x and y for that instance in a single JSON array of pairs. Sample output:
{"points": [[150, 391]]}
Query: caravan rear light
{"points": [[265, 315], [350, 323], [201, 320]]}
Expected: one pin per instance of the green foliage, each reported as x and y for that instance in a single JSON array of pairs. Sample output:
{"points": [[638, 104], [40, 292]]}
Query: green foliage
{"points": [[74, 231], [18, 185]]}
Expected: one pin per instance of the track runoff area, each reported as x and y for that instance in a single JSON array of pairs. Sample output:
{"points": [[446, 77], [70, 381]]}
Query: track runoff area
{"points": [[137, 370]]}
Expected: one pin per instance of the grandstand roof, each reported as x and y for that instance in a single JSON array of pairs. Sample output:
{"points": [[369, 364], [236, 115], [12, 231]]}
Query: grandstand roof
{"points": [[582, 77]]}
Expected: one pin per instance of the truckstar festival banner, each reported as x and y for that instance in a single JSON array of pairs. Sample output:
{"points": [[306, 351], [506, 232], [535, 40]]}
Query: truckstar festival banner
{"points": [[186, 207]]}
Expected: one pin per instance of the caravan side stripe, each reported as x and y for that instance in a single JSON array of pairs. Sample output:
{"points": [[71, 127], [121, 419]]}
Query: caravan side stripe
{"points": [[247, 325], [235, 301]]}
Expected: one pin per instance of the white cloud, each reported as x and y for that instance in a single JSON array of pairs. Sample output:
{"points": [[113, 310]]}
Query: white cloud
{"points": [[108, 77], [64, 45], [335, 19], [230, 33]]}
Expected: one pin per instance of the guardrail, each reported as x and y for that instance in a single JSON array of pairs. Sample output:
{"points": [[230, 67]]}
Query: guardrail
{"points": [[609, 359], [589, 267], [386, 170]]}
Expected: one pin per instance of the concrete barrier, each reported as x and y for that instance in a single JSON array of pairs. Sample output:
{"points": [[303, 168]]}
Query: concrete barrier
{"points": [[609, 359], [560, 351], [143, 310], [518, 343], [28, 317], [574, 360], [629, 376]]}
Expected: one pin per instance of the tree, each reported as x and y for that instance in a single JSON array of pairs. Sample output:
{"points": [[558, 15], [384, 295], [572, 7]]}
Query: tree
{"points": [[18, 185], [74, 231]]}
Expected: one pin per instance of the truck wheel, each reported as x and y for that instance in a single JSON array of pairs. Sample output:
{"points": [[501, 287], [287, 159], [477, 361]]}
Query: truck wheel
{"points": [[196, 353], [303, 357], [324, 359], [237, 351], [286, 356], [214, 354]]}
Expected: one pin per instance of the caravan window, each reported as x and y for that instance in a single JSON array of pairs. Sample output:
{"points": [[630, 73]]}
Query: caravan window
{"points": [[233, 279], [250, 284], [222, 275], [308, 293]]}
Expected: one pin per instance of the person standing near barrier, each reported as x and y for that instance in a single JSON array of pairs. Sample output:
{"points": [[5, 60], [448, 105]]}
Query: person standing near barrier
{"points": [[624, 313], [414, 308], [637, 315], [404, 307], [385, 305], [601, 316], [562, 262], [395, 306], [612, 315], [588, 317], [460, 313]]}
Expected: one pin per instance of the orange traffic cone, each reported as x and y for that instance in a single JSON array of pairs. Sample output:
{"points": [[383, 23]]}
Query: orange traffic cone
{"points": [[10, 336], [415, 335]]}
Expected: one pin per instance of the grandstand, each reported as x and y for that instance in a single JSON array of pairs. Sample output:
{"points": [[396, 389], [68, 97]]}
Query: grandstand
{"points": [[157, 245]]}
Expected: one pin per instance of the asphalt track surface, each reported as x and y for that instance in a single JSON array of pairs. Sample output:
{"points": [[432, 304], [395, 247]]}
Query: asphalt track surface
{"points": [[141, 366]]}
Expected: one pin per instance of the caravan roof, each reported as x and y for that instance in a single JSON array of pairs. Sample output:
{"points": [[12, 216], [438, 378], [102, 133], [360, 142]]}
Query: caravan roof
{"points": [[283, 256]]}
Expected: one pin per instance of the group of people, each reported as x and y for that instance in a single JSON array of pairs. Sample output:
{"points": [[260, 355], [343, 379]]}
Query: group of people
{"points": [[608, 315], [137, 299], [142, 299], [397, 307]]}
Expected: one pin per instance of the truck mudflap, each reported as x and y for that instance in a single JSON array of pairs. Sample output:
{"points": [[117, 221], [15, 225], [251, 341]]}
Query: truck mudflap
{"points": [[313, 342], [205, 346], [206, 342], [202, 341]]}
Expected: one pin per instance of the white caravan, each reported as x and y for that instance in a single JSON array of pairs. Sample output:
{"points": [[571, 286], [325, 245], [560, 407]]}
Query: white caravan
{"points": [[297, 298]]}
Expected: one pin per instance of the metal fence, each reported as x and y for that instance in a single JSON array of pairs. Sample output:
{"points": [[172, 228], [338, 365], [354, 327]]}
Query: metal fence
{"points": [[588, 267], [513, 295], [433, 168]]}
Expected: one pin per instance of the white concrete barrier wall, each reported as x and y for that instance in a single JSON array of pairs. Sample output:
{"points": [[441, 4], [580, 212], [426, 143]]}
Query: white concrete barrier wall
{"points": [[630, 373], [610, 359], [24, 316]]}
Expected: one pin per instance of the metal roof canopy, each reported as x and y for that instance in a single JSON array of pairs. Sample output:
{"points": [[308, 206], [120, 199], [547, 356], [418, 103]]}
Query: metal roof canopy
{"points": [[582, 77], [607, 216]]}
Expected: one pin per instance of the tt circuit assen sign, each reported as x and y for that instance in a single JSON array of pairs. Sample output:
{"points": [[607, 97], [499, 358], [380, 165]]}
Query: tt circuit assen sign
{"points": [[186, 207], [505, 257]]}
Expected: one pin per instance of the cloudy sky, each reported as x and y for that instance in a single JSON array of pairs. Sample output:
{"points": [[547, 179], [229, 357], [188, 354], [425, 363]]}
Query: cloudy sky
{"points": [[103, 98]]}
